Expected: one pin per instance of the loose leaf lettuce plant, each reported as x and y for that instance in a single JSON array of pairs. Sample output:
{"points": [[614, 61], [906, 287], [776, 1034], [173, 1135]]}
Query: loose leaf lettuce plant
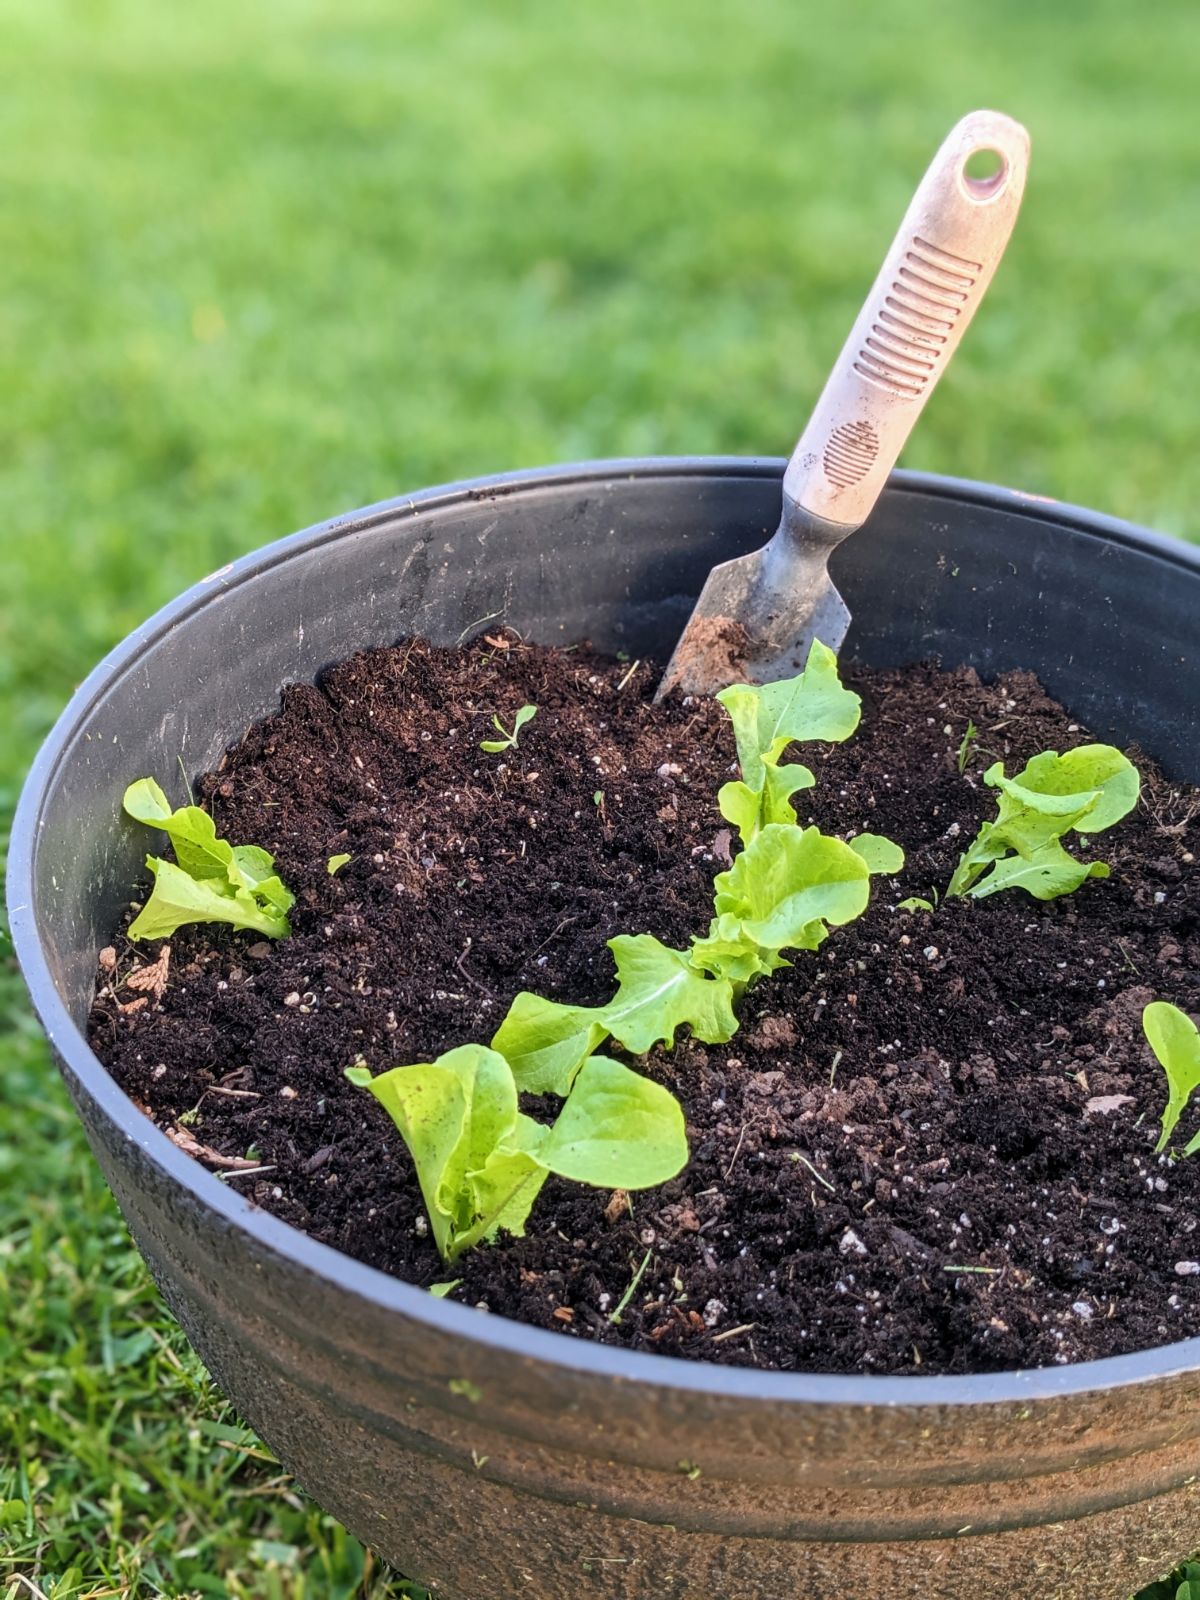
{"points": [[481, 1161], [1084, 791], [210, 880], [1174, 1038]]}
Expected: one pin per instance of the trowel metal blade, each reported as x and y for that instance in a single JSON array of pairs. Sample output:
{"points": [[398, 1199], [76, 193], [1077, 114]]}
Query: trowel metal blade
{"points": [[745, 630]]}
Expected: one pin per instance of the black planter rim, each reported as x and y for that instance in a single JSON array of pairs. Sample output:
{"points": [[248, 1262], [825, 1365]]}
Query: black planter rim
{"points": [[445, 1317]]}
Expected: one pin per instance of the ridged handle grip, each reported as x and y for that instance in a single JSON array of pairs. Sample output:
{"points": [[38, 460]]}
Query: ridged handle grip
{"points": [[927, 291]]}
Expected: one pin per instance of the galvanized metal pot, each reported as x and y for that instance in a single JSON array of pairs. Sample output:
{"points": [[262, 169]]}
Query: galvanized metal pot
{"points": [[493, 1460]]}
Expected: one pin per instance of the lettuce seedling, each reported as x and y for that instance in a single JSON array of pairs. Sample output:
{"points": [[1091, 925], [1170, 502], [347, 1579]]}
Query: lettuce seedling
{"points": [[1176, 1043], [481, 1162], [766, 719], [658, 991], [507, 741], [210, 880], [1086, 790]]}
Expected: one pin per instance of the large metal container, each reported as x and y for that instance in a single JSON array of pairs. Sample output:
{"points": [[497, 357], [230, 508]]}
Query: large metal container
{"points": [[493, 1460]]}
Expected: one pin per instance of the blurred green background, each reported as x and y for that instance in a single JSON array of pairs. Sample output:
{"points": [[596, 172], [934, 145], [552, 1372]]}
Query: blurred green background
{"points": [[263, 263]]}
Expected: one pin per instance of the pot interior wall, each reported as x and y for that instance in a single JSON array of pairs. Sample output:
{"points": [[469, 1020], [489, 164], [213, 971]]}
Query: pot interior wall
{"points": [[615, 557]]}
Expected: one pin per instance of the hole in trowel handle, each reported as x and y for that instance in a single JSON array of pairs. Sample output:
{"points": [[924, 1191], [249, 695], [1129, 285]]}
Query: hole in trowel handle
{"points": [[984, 173]]}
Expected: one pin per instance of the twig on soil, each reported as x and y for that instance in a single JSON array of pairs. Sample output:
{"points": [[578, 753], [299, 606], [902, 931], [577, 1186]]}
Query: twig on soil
{"points": [[737, 1150], [565, 923], [191, 1146], [478, 623], [482, 987]]}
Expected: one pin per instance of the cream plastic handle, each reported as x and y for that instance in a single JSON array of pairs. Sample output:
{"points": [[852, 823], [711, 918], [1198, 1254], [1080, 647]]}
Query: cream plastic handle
{"points": [[927, 291]]}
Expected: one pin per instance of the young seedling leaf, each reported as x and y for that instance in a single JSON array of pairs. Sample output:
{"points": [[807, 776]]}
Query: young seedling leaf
{"points": [[335, 863], [964, 749], [1176, 1043], [508, 740], [504, 1189], [1097, 768], [545, 1043], [178, 899], [768, 717], [481, 1163], [660, 990], [428, 1104], [618, 1130], [210, 879], [191, 831], [881, 855], [915, 903], [1046, 874], [727, 952], [751, 809], [439, 1291], [1085, 791], [789, 884]]}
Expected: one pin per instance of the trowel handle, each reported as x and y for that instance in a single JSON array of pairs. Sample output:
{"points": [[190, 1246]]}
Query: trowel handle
{"points": [[927, 291]]}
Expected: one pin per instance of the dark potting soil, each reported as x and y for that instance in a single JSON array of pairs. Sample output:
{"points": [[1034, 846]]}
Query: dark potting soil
{"points": [[928, 1148]]}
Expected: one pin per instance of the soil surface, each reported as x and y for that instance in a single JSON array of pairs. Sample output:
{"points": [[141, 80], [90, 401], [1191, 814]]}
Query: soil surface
{"points": [[928, 1148]]}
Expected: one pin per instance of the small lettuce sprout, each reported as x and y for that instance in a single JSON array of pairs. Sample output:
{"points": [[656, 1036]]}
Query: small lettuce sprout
{"points": [[1086, 791], [336, 863], [481, 1162], [766, 719], [210, 880], [507, 741], [1176, 1043]]}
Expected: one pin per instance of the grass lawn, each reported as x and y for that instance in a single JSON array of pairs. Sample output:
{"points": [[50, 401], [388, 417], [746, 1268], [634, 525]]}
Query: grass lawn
{"points": [[261, 263]]}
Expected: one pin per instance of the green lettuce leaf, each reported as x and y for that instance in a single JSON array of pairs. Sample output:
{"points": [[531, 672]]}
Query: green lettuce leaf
{"points": [[658, 991], [768, 717], [1098, 769], [1174, 1038], [1086, 790], [617, 1130], [481, 1162], [789, 884], [881, 855], [1045, 874], [178, 899], [545, 1043], [727, 952]]}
